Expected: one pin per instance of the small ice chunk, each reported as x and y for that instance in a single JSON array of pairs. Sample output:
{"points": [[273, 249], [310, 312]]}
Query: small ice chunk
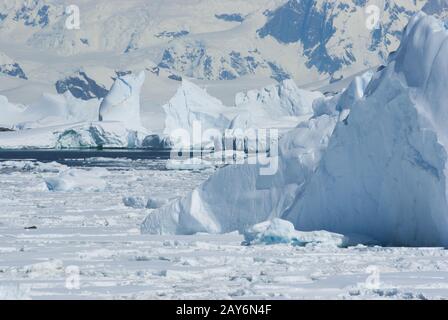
{"points": [[155, 203], [279, 231], [44, 269], [78, 180], [134, 202]]}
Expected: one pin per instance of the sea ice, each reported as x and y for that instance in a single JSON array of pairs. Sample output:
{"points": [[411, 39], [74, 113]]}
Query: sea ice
{"points": [[78, 180], [189, 164]]}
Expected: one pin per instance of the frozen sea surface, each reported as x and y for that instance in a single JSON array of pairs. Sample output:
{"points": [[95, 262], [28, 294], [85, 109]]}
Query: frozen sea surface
{"points": [[87, 245]]}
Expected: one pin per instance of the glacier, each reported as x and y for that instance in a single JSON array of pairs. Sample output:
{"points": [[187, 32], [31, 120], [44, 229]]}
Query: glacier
{"points": [[370, 163]]}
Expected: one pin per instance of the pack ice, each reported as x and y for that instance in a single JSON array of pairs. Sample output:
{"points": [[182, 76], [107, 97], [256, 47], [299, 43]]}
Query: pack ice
{"points": [[370, 163], [122, 104]]}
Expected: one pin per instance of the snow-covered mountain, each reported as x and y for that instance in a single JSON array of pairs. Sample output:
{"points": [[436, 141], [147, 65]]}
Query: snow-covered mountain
{"points": [[10, 68], [212, 40]]}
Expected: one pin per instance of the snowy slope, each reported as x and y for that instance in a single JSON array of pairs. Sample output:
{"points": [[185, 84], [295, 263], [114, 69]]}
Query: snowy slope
{"points": [[209, 40], [11, 68], [373, 164]]}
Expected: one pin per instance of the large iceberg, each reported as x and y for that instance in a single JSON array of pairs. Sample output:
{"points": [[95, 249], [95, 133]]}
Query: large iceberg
{"points": [[122, 103], [194, 118], [370, 163], [280, 107], [191, 111], [62, 121], [237, 197], [384, 172]]}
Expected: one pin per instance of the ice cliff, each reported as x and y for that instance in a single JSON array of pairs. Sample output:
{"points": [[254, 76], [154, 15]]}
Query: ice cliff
{"points": [[122, 103]]}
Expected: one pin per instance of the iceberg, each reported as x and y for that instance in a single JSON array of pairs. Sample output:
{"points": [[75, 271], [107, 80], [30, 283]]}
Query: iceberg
{"points": [[237, 196], [74, 136], [278, 231], [52, 110], [122, 103], [196, 119], [142, 203], [283, 99], [384, 172], [10, 113], [372, 165], [62, 121], [279, 107], [134, 202], [154, 203], [98, 135], [78, 180], [340, 105], [190, 106]]}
